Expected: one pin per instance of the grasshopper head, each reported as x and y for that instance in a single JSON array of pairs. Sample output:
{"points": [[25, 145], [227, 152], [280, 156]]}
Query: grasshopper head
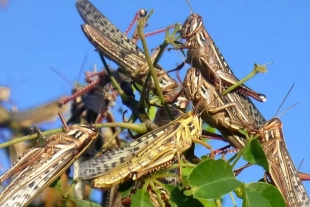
{"points": [[192, 26], [192, 83], [87, 129]]}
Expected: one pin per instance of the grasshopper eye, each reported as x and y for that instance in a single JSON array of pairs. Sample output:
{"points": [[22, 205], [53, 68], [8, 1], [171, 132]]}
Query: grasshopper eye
{"points": [[199, 19], [197, 72], [143, 12]]}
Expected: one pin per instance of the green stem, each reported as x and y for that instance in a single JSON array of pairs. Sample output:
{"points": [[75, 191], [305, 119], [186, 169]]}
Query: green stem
{"points": [[123, 95], [141, 24], [140, 128], [75, 181], [161, 203], [239, 155], [110, 140], [164, 175], [137, 108], [162, 48], [146, 183], [218, 202], [143, 92], [257, 69], [169, 39], [30, 137], [232, 199]]}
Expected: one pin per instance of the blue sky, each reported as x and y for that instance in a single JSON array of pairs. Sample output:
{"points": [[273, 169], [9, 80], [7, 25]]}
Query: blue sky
{"points": [[39, 35]]}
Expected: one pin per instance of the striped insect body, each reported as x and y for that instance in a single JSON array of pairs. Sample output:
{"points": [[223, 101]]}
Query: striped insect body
{"points": [[45, 164], [282, 171], [151, 152]]}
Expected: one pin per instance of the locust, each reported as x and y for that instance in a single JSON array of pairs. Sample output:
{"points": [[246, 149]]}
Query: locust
{"points": [[40, 166], [114, 45], [227, 117], [151, 152], [218, 113], [204, 55], [282, 171]]}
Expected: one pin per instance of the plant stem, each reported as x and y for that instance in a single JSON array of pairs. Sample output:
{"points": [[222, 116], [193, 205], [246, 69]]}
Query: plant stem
{"points": [[140, 128], [141, 24], [257, 69]]}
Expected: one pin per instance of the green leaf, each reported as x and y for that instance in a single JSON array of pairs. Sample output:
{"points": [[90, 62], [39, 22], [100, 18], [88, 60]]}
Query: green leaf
{"points": [[212, 179], [210, 129], [253, 153], [262, 195], [178, 199], [152, 112], [84, 203], [205, 157], [188, 192], [185, 172], [141, 199], [208, 203]]}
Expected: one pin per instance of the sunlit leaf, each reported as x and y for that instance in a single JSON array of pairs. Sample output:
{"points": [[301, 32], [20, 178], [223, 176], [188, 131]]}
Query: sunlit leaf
{"points": [[178, 199], [212, 179], [141, 199], [262, 195], [254, 154]]}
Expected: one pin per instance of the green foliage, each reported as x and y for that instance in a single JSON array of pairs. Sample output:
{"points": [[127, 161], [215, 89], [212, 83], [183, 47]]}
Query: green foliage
{"points": [[141, 199], [261, 195], [254, 154], [212, 179]]}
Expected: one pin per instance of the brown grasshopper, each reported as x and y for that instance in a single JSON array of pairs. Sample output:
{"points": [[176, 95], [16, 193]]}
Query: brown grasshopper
{"points": [[282, 171], [227, 117], [40, 166], [114, 45], [205, 56]]}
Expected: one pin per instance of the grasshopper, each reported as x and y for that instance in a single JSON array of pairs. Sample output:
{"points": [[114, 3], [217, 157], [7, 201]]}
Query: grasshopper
{"points": [[282, 172], [227, 117], [40, 166], [114, 45], [205, 56], [153, 151]]}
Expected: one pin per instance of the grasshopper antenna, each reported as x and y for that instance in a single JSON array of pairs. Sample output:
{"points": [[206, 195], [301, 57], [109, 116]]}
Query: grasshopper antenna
{"points": [[300, 164], [64, 78], [287, 109], [61, 75], [190, 8], [82, 66], [284, 101]]}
